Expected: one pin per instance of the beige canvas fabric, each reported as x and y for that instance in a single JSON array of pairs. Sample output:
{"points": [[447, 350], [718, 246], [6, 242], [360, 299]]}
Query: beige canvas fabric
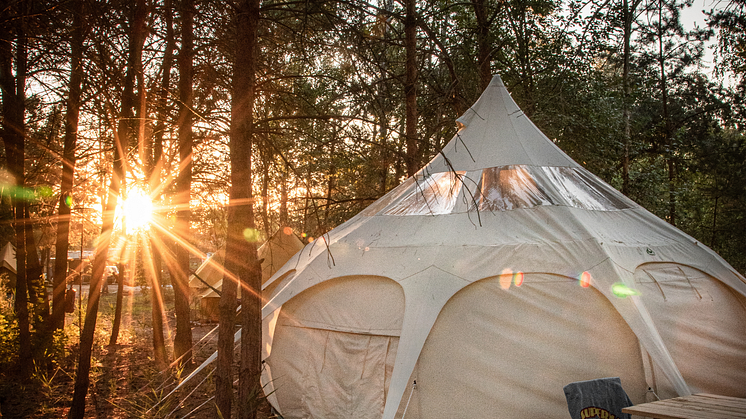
{"points": [[498, 274], [273, 253]]}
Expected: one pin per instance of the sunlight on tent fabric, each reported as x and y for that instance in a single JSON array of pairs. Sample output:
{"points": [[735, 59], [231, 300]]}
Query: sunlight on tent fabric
{"points": [[137, 210]]}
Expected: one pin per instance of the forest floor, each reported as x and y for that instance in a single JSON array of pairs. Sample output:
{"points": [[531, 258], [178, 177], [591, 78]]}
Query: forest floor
{"points": [[125, 382]]}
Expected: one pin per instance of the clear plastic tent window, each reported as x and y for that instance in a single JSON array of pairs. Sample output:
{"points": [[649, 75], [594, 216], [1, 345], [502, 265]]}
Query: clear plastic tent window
{"points": [[430, 194], [507, 188], [578, 188], [511, 187]]}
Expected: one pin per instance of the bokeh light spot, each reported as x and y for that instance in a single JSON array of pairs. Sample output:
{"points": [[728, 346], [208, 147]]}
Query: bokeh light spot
{"points": [[44, 191], [287, 231], [251, 235], [585, 279], [518, 278], [623, 291]]}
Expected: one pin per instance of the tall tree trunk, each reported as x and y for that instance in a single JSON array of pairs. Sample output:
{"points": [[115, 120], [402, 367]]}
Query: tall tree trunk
{"points": [[249, 388], [383, 99], [13, 93], [331, 182], [266, 160], [121, 145], [626, 114], [240, 255], [284, 219], [159, 131], [483, 45], [183, 337], [82, 379], [630, 12], [118, 310], [34, 279], [138, 32], [668, 126], [68, 165], [410, 86], [154, 176]]}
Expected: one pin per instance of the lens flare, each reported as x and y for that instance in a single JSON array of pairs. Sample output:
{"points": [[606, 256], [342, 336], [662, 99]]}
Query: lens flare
{"points": [[506, 278], [44, 191], [287, 230], [251, 235], [69, 201], [585, 279], [518, 278], [623, 291]]}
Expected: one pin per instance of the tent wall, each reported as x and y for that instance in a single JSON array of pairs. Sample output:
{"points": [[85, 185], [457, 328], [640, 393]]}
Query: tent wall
{"points": [[334, 350], [702, 322], [512, 349], [490, 350]]}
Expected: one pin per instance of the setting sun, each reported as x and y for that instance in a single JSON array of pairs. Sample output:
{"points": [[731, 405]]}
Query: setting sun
{"points": [[137, 210]]}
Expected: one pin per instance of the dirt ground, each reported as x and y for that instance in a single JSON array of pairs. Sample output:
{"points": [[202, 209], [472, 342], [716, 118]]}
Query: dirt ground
{"points": [[124, 380]]}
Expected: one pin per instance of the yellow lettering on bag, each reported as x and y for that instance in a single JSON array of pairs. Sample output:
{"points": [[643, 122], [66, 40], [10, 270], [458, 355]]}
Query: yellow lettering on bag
{"points": [[596, 412]]}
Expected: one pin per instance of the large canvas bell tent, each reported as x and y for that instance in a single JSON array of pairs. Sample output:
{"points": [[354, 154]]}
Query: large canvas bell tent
{"points": [[498, 274]]}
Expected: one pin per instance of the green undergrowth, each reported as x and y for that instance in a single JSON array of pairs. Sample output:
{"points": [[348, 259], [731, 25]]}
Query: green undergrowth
{"points": [[124, 382]]}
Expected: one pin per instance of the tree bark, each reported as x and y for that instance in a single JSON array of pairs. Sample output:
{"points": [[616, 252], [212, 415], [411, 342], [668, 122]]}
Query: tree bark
{"points": [[36, 288], [629, 11], [138, 32], [68, 166], [153, 174], [250, 394], [626, 114], [13, 93], [183, 337], [483, 46], [410, 87], [82, 378], [121, 142], [240, 255], [668, 126]]}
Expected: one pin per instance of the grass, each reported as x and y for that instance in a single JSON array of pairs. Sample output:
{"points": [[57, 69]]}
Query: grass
{"points": [[124, 381]]}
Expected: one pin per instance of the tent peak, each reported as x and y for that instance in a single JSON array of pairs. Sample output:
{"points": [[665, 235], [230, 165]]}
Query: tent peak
{"points": [[495, 132], [497, 81]]}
